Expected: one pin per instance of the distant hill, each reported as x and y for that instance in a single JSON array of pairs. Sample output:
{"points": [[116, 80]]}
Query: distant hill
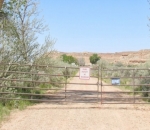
{"points": [[130, 57]]}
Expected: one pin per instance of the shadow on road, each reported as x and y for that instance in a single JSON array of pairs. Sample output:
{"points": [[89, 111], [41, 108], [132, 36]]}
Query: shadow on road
{"points": [[89, 96]]}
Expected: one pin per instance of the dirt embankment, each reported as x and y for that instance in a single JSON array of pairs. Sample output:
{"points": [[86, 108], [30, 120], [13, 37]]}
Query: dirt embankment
{"points": [[130, 57]]}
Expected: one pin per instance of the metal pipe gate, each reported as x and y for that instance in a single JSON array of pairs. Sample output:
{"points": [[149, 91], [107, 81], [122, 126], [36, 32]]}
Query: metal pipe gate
{"points": [[43, 83]]}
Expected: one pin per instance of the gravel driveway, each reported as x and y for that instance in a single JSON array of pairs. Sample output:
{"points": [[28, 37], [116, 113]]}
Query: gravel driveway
{"points": [[83, 111]]}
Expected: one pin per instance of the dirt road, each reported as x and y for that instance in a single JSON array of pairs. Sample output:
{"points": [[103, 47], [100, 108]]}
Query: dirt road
{"points": [[82, 112]]}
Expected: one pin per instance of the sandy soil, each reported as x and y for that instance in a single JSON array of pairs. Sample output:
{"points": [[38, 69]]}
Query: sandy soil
{"points": [[83, 111]]}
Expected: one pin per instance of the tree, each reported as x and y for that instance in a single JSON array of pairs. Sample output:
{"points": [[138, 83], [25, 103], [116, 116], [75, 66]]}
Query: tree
{"points": [[1, 3], [2, 14], [94, 58], [69, 59], [19, 36]]}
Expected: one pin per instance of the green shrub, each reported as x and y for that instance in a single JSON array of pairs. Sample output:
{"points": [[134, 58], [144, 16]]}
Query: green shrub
{"points": [[94, 58], [69, 59], [4, 111], [5, 108]]}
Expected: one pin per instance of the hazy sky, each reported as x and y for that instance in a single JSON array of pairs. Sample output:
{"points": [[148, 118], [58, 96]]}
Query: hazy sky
{"points": [[97, 25]]}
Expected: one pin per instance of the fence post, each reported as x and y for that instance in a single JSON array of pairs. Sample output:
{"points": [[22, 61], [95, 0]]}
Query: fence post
{"points": [[133, 86], [98, 83], [31, 72], [101, 85], [19, 69], [65, 82]]}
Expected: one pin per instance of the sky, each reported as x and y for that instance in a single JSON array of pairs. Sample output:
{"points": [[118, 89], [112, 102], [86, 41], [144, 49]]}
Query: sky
{"points": [[100, 26]]}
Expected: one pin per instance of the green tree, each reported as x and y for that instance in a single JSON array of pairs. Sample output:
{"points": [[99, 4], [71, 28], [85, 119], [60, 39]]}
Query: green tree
{"points": [[69, 59], [94, 58], [19, 38], [20, 34]]}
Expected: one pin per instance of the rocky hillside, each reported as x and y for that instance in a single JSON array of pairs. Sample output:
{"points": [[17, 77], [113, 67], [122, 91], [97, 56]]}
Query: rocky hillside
{"points": [[132, 57]]}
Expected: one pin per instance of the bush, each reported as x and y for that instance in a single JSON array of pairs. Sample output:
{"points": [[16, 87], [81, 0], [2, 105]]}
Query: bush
{"points": [[60, 76], [7, 106], [94, 58], [81, 61], [4, 111], [119, 64], [69, 59]]}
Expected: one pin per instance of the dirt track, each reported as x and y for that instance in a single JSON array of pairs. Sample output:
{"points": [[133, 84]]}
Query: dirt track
{"points": [[81, 112]]}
